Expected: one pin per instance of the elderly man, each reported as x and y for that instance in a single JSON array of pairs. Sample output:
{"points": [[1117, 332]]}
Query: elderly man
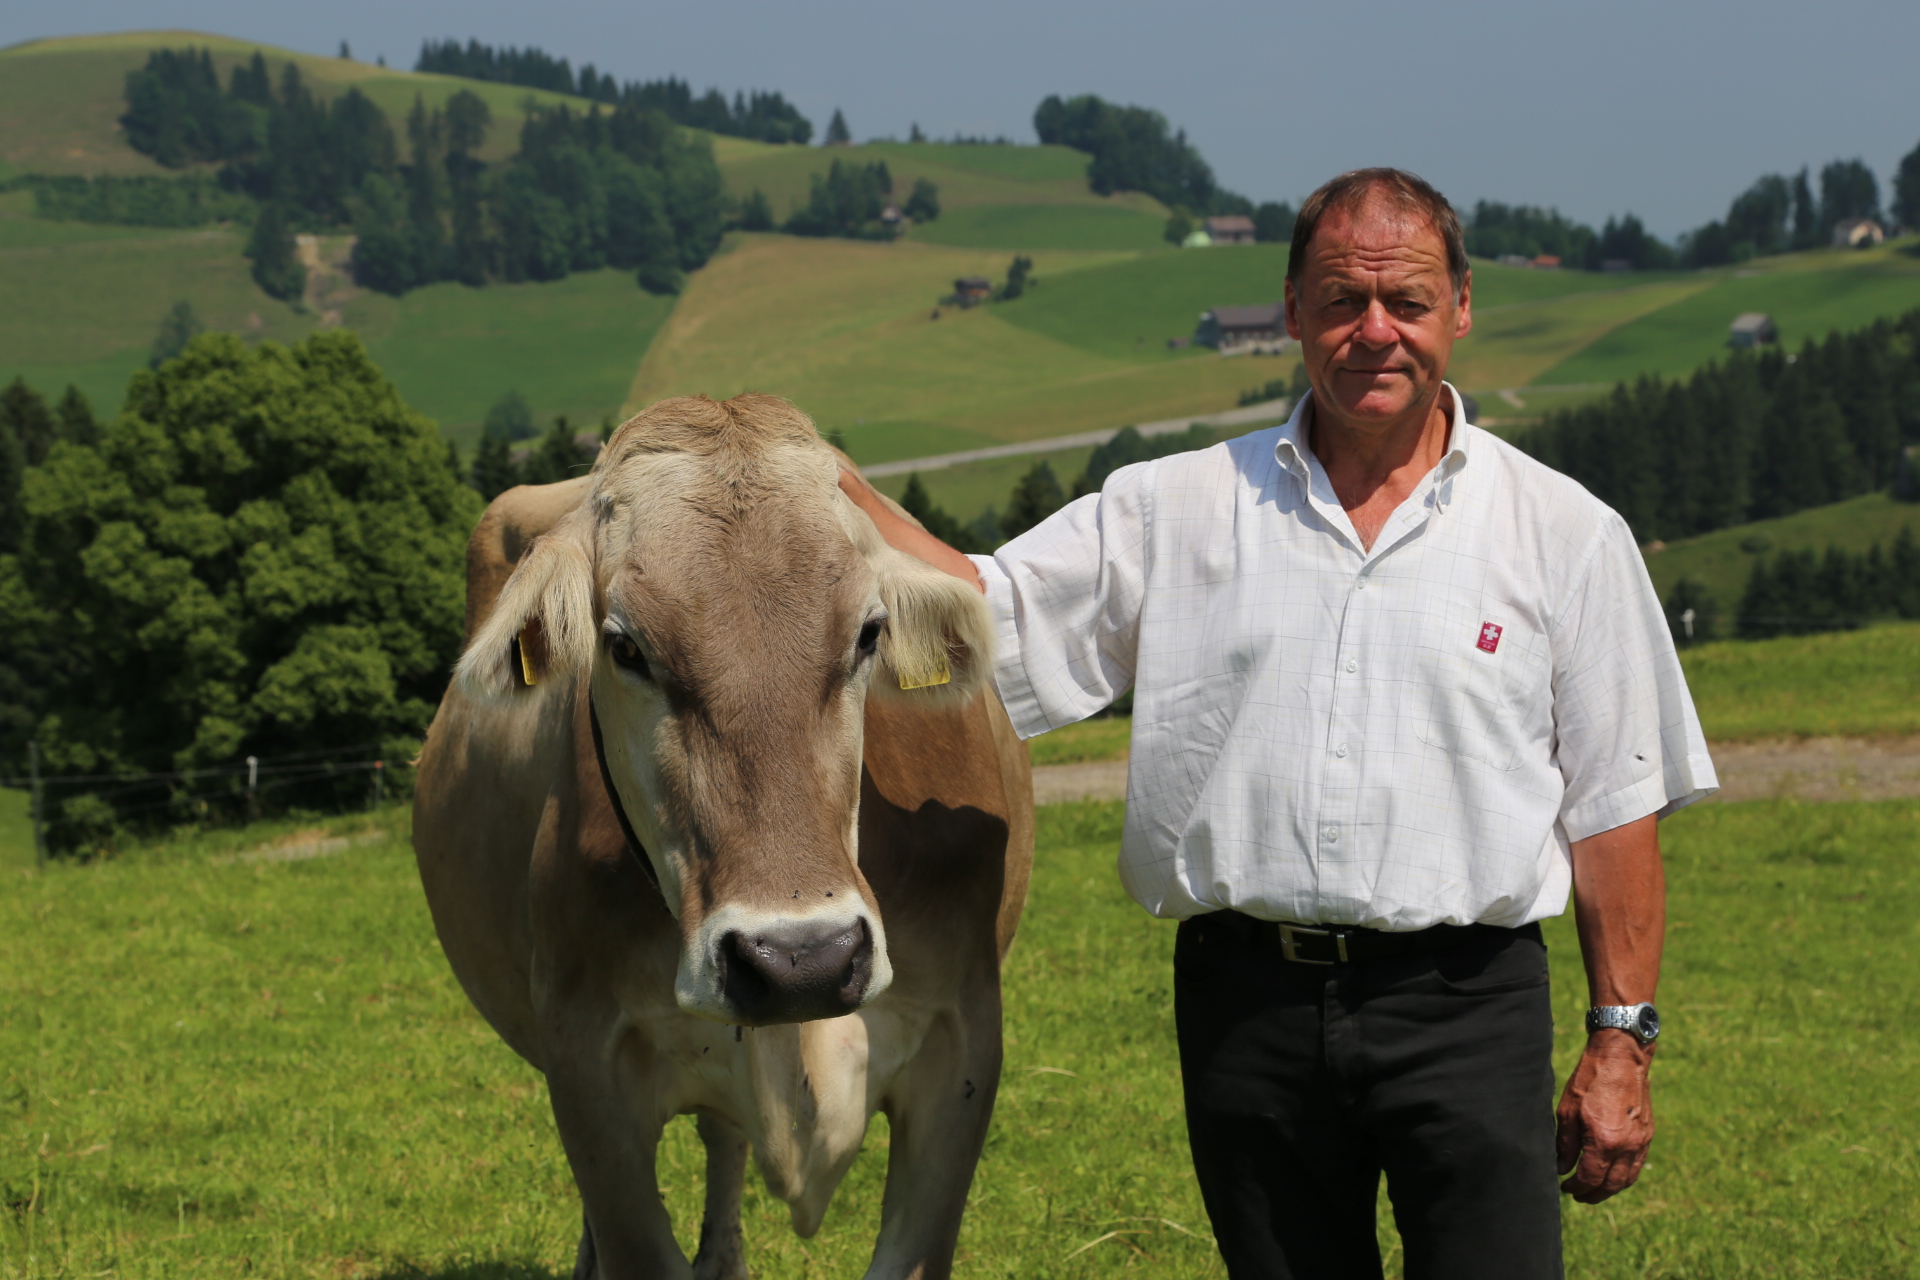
{"points": [[1398, 690]]}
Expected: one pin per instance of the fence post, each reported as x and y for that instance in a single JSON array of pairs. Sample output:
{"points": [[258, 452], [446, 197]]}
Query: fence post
{"points": [[253, 785], [39, 830], [379, 782]]}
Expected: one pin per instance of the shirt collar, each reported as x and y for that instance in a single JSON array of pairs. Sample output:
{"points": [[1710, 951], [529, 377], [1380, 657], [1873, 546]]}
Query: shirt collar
{"points": [[1297, 459]]}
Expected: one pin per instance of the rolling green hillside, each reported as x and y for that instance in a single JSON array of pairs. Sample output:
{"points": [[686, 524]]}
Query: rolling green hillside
{"points": [[60, 100], [1807, 294], [1721, 562], [845, 328]]}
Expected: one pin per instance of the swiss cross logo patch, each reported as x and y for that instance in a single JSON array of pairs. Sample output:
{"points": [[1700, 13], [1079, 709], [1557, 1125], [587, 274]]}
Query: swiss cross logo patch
{"points": [[1489, 637]]}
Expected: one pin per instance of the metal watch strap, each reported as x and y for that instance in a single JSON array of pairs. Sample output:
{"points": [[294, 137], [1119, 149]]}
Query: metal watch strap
{"points": [[1629, 1018]]}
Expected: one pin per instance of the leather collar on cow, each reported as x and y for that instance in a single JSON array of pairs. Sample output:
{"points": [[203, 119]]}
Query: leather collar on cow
{"points": [[613, 793]]}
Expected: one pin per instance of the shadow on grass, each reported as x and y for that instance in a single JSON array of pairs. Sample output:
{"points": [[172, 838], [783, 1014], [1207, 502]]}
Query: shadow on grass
{"points": [[495, 1270]]}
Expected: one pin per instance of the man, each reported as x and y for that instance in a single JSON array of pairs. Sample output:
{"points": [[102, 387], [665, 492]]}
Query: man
{"points": [[1398, 689]]}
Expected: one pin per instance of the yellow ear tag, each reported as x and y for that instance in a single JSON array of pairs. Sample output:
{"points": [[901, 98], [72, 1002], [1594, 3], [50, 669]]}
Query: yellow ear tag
{"points": [[941, 674], [526, 662]]}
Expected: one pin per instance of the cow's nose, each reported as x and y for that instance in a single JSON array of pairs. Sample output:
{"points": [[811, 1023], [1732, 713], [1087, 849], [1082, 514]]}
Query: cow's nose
{"points": [[796, 974]]}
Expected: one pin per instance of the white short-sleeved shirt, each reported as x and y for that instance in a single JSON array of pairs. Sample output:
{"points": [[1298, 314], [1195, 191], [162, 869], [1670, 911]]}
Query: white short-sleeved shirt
{"points": [[1397, 738]]}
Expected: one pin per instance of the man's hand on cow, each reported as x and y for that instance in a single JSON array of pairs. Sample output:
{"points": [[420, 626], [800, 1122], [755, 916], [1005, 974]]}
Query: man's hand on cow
{"points": [[1606, 1118]]}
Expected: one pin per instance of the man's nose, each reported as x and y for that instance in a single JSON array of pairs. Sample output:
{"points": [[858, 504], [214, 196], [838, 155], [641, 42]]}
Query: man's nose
{"points": [[1376, 327]]}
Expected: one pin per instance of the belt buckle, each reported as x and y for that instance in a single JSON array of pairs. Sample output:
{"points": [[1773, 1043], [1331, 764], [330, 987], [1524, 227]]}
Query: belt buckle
{"points": [[1290, 946]]}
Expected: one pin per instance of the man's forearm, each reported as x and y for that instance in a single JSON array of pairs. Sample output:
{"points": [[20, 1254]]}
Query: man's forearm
{"points": [[1620, 906], [905, 535]]}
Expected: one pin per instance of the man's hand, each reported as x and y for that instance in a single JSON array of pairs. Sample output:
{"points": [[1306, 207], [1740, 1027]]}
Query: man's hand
{"points": [[1606, 1118], [1620, 906]]}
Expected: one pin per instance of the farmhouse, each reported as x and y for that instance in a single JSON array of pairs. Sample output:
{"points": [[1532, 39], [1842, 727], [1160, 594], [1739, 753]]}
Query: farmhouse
{"points": [[1752, 329], [1857, 233], [1233, 228], [971, 289], [1231, 330]]}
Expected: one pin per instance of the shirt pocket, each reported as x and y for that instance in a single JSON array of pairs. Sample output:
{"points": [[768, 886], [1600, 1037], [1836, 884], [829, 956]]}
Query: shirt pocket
{"points": [[1476, 679]]}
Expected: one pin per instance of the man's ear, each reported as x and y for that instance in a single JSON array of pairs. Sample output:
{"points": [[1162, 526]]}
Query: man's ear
{"points": [[542, 626]]}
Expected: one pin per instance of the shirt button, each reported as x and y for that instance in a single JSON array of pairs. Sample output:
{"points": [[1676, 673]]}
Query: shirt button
{"points": [[1332, 834], [1353, 664], [1341, 751], [1360, 585]]}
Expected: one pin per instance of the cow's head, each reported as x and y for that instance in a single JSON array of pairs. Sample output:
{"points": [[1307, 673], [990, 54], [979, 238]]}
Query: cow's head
{"points": [[731, 612]]}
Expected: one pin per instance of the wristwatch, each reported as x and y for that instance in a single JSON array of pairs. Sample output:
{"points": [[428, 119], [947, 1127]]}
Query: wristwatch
{"points": [[1640, 1021]]}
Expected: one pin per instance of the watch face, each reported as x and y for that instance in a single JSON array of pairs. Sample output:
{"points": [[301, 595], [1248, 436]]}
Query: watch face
{"points": [[1649, 1022]]}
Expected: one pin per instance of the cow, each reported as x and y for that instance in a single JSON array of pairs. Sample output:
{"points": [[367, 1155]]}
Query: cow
{"points": [[720, 815]]}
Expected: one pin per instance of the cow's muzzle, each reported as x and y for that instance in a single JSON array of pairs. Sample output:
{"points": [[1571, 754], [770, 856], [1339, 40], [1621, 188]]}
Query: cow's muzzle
{"points": [[796, 973]]}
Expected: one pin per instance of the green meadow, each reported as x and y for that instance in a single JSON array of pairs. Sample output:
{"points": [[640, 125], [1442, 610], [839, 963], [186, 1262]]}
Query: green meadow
{"points": [[60, 99], [215, 1065], [1723, 560]]}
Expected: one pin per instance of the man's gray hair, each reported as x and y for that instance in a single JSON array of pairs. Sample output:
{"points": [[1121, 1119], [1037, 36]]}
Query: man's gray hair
{"points": [[1407, 193]]}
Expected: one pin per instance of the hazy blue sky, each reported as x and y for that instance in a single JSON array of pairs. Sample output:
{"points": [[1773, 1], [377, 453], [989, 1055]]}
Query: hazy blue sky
{"points": [[1663, 109]]}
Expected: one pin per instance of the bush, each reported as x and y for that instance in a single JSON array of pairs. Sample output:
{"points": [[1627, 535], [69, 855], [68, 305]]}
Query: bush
{"points": [[264, 555]]}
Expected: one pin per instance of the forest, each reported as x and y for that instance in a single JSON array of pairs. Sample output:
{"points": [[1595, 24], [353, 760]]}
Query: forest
{"points": [[762, 116], [1747, 437], [623, 187]]}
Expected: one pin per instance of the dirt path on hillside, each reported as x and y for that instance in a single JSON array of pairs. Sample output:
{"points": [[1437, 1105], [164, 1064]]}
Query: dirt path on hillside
{"points": [[1801, 769]]}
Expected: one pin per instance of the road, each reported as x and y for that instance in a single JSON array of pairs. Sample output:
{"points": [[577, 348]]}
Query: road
{"points": [[1245, 415]]}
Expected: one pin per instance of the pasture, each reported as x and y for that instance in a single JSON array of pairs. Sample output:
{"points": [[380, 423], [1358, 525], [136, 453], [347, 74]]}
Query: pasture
{"points": [[216, 1064], [1722, 564], [60, 99]]}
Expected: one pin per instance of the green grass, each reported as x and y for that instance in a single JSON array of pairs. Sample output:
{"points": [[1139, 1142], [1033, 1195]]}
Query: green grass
{"points": [[1046, 226], [1857, 683], [1127, 310], [1808, 295], [1105, 738], [255, 1068], [570, 346], [61, 99], [1717, 560], [86, 310], [967, 176]]}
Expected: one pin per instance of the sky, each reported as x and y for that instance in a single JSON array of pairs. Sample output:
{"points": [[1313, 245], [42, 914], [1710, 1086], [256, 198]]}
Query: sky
{"points": [[1666, 110]]}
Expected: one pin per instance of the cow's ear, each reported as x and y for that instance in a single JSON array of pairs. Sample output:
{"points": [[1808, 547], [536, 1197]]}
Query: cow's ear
{"points": [[542, 627], [938, 642]]}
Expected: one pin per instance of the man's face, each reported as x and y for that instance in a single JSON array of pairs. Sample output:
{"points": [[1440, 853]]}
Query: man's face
{"points": [[1376, 315]]}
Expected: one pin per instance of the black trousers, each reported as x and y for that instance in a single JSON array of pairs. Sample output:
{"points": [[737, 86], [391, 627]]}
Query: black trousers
{"points": [[1304, 1083]]}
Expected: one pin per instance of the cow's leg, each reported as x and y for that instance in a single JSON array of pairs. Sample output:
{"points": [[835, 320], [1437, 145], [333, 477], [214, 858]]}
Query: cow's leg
{"points": [[583, 1262], [612, 1150], [938, 1108], [722, 1255]]}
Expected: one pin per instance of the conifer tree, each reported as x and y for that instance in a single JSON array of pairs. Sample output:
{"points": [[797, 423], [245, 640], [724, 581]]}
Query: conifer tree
{"points": [[271, 250], [177, 328], [494, 471], [1037, 496], [838, 135]]}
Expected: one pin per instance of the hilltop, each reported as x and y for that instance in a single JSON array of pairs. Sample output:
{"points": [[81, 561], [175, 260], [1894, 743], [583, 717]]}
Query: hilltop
{"points": [[844, 327]]}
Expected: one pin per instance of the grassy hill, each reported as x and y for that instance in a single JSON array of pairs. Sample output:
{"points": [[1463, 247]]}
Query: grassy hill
{"points": [[1722, 561], [844, 328], [60, 99]]}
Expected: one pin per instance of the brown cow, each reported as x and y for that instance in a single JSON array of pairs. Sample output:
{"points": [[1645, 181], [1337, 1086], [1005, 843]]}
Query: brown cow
{"points": [[684, 862]]}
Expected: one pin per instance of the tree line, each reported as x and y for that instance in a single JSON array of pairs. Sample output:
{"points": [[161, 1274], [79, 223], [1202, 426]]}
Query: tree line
{"points": [[262, 554], [1804, 591], [1038, 493], [1780, 213], [622, 187], [1747, 437], [764, 116]]}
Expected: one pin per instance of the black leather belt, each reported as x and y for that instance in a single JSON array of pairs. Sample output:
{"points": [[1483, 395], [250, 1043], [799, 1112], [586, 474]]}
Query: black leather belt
{"points": [[1351, 944]]}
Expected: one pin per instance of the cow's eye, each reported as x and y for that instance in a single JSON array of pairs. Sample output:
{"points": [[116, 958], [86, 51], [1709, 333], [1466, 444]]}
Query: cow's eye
{"points": [[870, 636], [627, 654]]}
